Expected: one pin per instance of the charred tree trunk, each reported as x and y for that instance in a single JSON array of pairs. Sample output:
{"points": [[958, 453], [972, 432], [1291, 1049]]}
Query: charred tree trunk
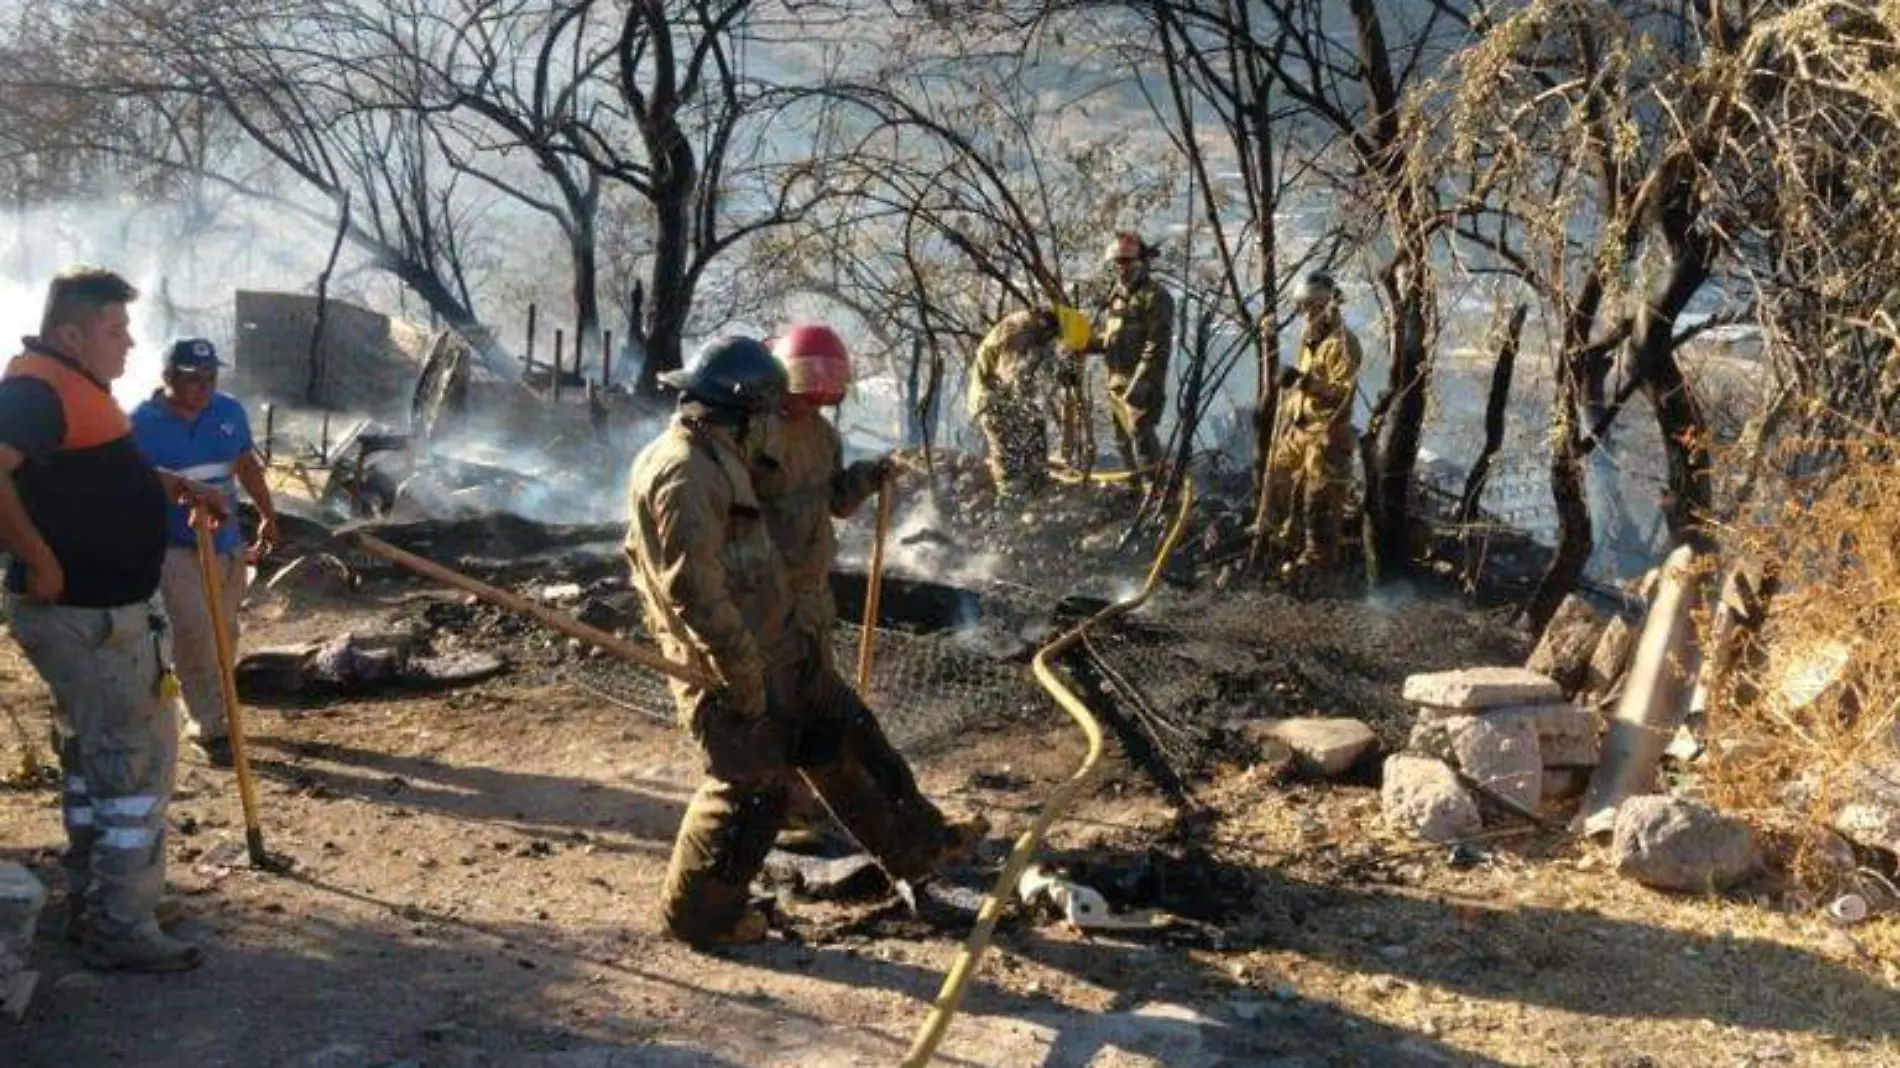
{"points": [[442, 301], [1267, 391], [1392, 436], [313, 385], [1574, 538], [1495, 408], [1685, 432], [670, 294], [584, 252]]}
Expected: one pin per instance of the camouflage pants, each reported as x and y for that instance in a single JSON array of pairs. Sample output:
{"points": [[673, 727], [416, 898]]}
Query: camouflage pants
{"points": [[818, 730], [1135, 424], [118, 750], [1308, 480], [194, 648], [1018, 443]]}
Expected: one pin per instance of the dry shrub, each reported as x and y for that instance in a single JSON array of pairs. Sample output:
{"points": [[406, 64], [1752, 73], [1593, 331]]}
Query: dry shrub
{"points": [[1811, 708]]}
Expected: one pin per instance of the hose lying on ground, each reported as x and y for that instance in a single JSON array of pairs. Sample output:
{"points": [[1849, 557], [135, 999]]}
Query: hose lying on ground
{"points": [[930, 1035]]}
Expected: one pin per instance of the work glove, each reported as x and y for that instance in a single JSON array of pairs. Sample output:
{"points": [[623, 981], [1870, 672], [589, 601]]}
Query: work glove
{"points": [[874, 473], [1289, 377]]}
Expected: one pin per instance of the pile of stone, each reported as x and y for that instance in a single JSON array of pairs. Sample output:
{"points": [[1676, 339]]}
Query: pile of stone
{"points": [[1586, 653], [1502, 734]]}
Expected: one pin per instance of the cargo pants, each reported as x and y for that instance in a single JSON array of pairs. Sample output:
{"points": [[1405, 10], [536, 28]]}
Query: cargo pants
{"points": [[1308, 482], [194, 645], [816, 727], [117, 734], [1136, 438]]}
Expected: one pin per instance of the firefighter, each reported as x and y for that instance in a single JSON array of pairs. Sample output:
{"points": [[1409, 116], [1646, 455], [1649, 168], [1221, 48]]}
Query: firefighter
{"points": [[1135, 343], [804, 485], [717, 597], [1010, 384], [1310, 471], [843, 753]]}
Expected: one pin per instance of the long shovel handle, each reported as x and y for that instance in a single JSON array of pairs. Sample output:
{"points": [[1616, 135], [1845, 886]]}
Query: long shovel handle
{"points": [[874, 588], [227, 686], [547, 617]]}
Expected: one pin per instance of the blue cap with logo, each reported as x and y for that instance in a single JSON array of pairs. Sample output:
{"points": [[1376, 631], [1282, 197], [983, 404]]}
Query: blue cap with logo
{"points": [[193, 355]]}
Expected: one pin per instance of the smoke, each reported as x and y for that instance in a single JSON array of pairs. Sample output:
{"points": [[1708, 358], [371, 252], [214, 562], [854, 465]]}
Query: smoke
{"points": [[921, 546], [186, 260]]}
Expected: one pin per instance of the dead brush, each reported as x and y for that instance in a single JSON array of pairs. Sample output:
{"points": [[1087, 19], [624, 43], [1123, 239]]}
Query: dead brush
{"points": [[1808, 716]]}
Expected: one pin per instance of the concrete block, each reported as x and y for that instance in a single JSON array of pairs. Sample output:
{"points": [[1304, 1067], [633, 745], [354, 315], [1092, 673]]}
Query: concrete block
{"points": [[1479, 688], [1423, 798]]}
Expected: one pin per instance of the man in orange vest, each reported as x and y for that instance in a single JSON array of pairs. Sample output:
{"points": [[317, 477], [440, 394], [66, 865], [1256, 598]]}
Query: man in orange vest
{"points": [[83, 515]]}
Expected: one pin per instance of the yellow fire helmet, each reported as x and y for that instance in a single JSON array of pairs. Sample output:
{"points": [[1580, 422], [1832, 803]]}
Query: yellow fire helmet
{"points": [[1073, 328]]}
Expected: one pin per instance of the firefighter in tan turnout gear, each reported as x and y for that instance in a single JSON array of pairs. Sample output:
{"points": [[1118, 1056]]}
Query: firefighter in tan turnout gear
{"points": [[804, 485], [1011, 387], [1310, 473], [1136, 339], [717, 596]]}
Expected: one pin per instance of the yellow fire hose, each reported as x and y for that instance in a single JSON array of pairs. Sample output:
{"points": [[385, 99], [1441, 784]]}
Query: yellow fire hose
{"points": [[227, 686], [945, 1008], [1065, 474], [874, 589]]}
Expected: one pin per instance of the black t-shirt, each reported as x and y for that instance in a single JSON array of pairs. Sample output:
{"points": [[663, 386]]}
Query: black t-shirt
{"points": [[100, 507], [30, 417]]}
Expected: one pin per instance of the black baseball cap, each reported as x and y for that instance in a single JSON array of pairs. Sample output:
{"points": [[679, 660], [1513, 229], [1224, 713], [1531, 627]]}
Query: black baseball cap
{"points": [[193, 355]]}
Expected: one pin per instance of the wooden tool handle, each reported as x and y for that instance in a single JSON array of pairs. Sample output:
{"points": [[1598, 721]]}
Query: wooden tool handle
{"points": [[559, 621]]}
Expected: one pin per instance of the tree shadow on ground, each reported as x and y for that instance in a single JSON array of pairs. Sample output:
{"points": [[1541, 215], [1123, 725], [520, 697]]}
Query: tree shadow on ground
{"points": [[1141, 1018], [1576, 961], [353, 981], [1572, 961], [471, 792]]}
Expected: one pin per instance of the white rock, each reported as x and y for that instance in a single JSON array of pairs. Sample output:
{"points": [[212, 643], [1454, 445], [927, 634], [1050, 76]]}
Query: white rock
{"points": [[1472, 689], [1500, 752], [1804, 679], [1870, 823], [1868, 800], [559, 593], [1423, 798], [1570, 736], [1324, 747], [1674, 844]]}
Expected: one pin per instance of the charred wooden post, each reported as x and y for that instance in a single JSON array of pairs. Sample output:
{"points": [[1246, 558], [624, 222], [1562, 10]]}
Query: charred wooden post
{"points": [[529, 373]]}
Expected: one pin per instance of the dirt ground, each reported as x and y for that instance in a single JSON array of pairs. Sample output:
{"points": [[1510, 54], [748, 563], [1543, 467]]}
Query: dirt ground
{"points": [[473, 876]]}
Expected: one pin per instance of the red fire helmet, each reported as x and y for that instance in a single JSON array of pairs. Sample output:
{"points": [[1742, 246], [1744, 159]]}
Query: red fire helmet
{"points": [[816, 361]]}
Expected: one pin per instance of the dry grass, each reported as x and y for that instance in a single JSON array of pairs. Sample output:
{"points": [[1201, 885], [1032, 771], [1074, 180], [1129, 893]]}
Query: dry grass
{"points": [[1812, 706]]}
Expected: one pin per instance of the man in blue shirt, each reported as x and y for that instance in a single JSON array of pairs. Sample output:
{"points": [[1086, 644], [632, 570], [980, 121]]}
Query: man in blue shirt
{"points": [[190, 427]]}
